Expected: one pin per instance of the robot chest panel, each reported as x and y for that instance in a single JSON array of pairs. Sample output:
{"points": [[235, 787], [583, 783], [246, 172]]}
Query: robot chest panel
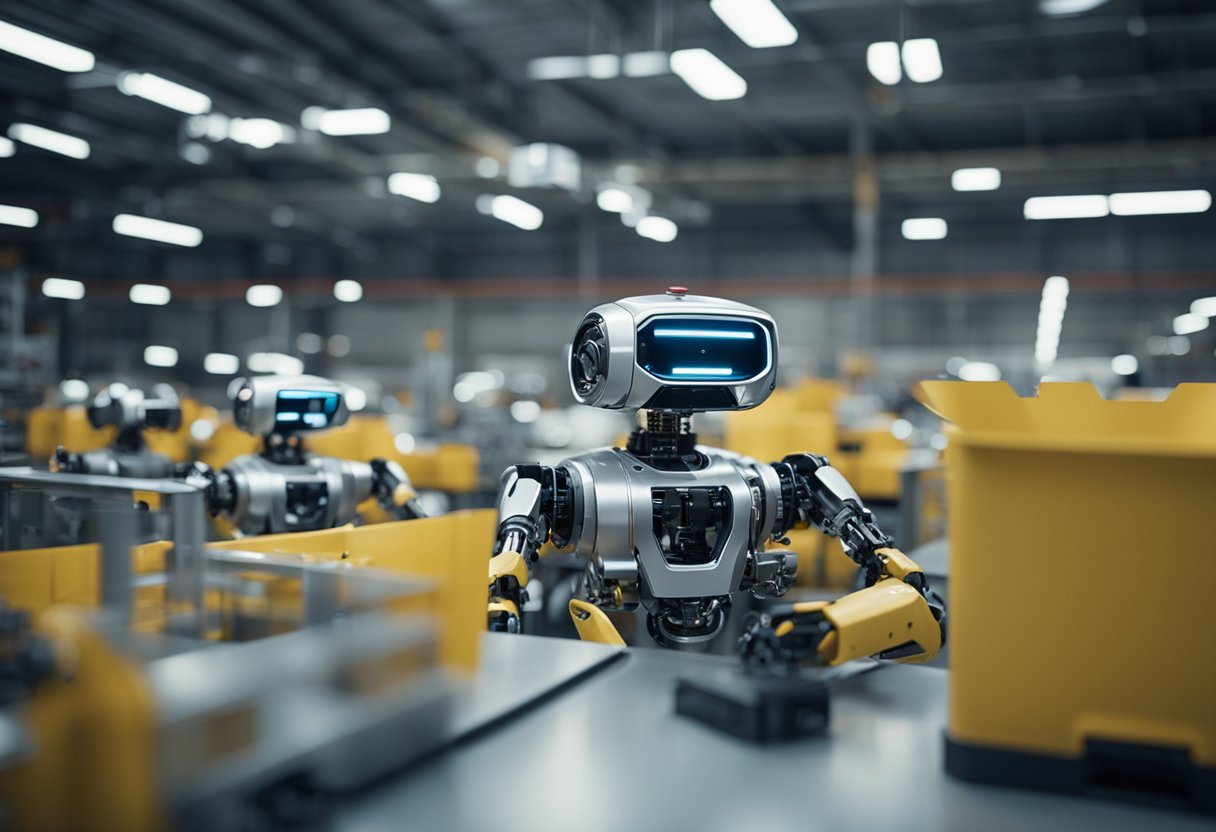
{"points": [[691, 531]]}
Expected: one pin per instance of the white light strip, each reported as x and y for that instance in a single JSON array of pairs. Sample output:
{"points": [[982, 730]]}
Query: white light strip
{"points": [[1205, 307], [708, 77], [701, 371], [263, 295], [44, 50], [362, 122], [150, 294], [51, 140], [922, 61], [16, 215], [1066, 207], [420, 186], [659, 229], [159, 356], [7, 148], [1051, 319], [975, 179], [348, 291], [758, 23], [924, 228], [161, 231], [62, 287], [511, 210], [614, 200], [164, 92], [882, 59], [221, 363], [1160, 202], [1189, 323], [705, 333]]}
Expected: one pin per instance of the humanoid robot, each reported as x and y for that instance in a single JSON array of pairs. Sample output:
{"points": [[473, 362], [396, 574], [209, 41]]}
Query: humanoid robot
{"points": [[131, 412], [677, 527], [284, 488]]}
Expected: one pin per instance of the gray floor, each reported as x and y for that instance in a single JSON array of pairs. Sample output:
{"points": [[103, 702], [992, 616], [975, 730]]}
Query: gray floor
{"points": [[609, 753]]}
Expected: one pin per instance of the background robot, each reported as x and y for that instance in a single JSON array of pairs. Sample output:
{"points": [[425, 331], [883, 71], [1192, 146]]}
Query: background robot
{"points": [[284, 488], [128, 456], [678, 528]]}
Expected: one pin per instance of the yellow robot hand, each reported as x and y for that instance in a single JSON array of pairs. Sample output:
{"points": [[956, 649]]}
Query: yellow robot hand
{"points": [[898, 618], [508, 579], [593, 624]]}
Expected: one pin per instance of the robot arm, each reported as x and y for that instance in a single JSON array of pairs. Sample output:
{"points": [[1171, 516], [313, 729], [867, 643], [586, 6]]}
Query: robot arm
{"points": [[534, 506], [897, 616], [219, 494], [393, 491]]}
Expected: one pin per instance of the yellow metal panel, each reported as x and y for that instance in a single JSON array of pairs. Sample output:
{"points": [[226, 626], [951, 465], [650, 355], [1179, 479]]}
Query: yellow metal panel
{"points": [[1083, 553]]}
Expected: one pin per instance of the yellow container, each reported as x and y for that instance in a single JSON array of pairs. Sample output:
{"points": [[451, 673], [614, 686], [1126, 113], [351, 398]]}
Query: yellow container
{"points": [[451, 468], [453, 550], [1083, 552]]}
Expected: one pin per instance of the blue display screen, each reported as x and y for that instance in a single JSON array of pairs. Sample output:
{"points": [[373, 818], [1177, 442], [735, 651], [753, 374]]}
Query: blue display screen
{"points": [[304, 410], [703, 349]]}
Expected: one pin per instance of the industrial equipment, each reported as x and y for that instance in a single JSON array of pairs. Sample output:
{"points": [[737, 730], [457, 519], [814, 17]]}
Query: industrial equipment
{"points": [[1059, 685], [284, 488], [678, 528]]}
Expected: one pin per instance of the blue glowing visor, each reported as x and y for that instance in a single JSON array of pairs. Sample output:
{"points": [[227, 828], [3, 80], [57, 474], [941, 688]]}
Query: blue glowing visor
{"points": [[296, 410], [703, 349]]}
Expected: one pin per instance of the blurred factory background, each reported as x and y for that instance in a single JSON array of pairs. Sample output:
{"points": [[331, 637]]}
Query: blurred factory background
{"points": [[398, 194]]}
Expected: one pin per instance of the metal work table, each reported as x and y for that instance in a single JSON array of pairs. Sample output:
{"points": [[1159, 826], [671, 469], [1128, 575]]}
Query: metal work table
{"points": [[608, 752]]}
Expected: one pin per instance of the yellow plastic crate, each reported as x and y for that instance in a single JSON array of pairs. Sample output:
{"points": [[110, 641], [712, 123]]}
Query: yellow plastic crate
{"points": [[1083, 552]]}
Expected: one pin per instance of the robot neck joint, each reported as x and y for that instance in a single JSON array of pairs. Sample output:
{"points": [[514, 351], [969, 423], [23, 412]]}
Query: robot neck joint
{"points": [[284, 449], [667, 442]]}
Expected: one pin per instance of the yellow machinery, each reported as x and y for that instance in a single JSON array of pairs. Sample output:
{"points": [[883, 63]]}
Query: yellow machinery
{"points": [[449, 549], [144, 732], [1083, 556]]}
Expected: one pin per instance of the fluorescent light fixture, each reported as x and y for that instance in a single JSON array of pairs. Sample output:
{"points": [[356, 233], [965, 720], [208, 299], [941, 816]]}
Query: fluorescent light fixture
{"points": [[923, 228], [882, 59], [645, 64], [361, 122], [511, 210], [707, 75], [161, 231], [1160, 202], [922, 61], [701, 371], [1189, 323], [274, 362], [557, 68], [263, 294], [62, 287], [420, 186], [16, 215], [525, 411], [1066, 207], [1179, 345], [74, 389], [51, 140], [758, 23], [1052, 305], [1124, 365], [158, 356], [979, 371], [603, 66], [736, 334], [164, 92], [614, 200], [1205, 307], [221, 363], [348, 291], [7, 148], [659, 229], [259, 133], [975, 179], [44, 50], [150, 294], [1063, 7]]}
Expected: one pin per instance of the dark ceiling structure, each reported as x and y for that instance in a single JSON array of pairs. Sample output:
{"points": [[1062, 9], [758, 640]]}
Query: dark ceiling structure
{"points": [[1122, 96]]}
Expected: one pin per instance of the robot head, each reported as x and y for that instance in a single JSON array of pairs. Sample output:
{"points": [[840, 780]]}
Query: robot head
{"points": [[674, 352], [288, 404], [132, 409]]}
